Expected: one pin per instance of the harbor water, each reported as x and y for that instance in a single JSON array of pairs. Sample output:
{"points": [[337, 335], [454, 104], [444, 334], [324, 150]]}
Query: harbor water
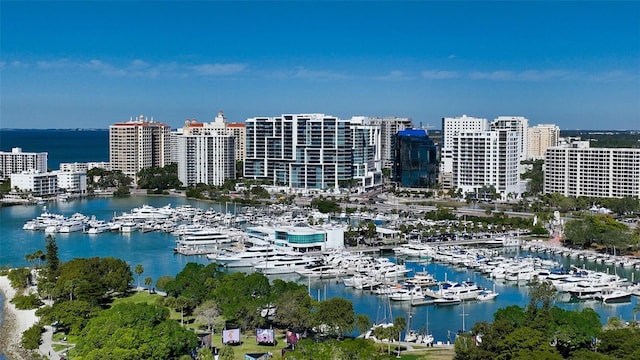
{"points": [[154, 251]]}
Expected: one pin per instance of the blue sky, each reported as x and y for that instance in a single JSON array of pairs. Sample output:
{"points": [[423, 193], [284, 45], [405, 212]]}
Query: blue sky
{"points": [[90, 64]]}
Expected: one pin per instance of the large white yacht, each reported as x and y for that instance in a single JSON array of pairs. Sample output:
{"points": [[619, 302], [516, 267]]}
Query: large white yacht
{"points": [[285, 264], [248, 257]]}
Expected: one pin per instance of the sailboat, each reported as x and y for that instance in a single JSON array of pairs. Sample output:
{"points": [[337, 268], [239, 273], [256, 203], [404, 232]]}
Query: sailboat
{"points": [[384, 323]]}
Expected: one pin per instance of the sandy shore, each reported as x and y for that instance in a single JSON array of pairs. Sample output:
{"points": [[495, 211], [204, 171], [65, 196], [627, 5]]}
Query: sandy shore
{"points": [[14, 323]]}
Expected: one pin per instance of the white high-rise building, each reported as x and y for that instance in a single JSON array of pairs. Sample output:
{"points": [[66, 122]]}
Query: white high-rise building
{"points": [[477, 154], [16, 161], [313, 151], [206, 153], [452, 126], [486, 158], [579, 170], [137, 144], [389, 127], [517, 124], [541, 137]]}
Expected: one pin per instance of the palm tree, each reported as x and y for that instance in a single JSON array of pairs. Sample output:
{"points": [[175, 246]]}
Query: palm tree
{"points": [[147, 282], [139, 270]]}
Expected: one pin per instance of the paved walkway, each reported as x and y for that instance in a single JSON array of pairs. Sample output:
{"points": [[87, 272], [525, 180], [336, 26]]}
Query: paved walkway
{"points": [[46, 348]]}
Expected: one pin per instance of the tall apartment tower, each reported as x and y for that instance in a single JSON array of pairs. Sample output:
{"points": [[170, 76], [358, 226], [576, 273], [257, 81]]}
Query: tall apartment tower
{"points": [[206, 153], [239, 133], [389, 127], [541, 137], [476, 153], [313, 151], [137, 144], [16, 161], [485, 158], [517, 124], [451, 126], [579, 170]]}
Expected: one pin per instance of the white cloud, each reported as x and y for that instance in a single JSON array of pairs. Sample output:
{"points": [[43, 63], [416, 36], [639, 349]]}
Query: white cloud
{"points": [[439, 74], [218, 69], [394, 75], [302, 73]]}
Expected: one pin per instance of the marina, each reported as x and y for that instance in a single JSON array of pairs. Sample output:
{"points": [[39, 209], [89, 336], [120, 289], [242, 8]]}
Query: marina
{"points": [[155, 251]]}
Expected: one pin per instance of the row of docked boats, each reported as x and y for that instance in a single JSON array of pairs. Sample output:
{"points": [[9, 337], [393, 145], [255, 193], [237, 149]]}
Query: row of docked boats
{"points": [[572, 284]]}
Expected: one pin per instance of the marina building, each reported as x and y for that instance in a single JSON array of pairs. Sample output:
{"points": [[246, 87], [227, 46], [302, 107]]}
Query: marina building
{"points": [[37, 183], [389, 127], [416, 159], [137, 144], [206, 153], [579, 170], [16, 161], [298, 238], [313, 151], [541, 137]]}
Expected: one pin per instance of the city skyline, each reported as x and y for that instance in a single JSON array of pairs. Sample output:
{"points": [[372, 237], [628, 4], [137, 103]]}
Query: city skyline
{"points": [[92, 64]]}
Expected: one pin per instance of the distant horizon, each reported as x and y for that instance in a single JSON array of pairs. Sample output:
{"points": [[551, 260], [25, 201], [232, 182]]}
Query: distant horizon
{"points": [[77, 64]]}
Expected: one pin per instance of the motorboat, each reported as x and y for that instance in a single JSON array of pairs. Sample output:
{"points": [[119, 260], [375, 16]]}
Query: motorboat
{"points": [[284, 265], [447, 300], [248, 256], [407, 293], [614, 295]]}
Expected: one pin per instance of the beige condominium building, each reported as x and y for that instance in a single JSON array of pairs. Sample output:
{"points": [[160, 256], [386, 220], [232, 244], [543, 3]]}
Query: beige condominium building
{"points": [[137, 144]]}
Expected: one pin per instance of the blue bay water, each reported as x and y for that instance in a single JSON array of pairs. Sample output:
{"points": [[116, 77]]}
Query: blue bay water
{"points": [[154, 250], [79, 145]]}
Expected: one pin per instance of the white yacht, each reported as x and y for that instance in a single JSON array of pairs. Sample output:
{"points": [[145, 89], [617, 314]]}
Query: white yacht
{"points": [[465, 290], [284, 265], [407, 293], [98, 226], [248, 257], [210, 236]]}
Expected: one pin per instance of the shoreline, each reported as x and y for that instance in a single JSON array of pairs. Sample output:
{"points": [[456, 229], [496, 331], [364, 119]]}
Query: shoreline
{"points": [[14, 323]]}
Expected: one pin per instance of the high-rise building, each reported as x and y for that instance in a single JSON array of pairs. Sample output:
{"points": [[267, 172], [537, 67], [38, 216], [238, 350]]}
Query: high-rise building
{"points": [[389, 127], [452, 126], [579, 170], [313, 151], [16, 161], [206, 153], [137, 144], [541, 137], [517, 124], [486, 158], [416, 159], [477, 154], [239, 133]]}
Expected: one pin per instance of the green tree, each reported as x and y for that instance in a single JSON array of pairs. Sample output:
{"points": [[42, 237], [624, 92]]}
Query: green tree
{"points": [[139, 270], [362, 323], [294, 310], [147, 282], [336, 316], [71, 316], [52, 261], [208, 313], [134, 331], [227, 353]]}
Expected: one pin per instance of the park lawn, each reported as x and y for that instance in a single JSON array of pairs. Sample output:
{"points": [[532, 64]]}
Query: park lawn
{"points": [[138, 297]]}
